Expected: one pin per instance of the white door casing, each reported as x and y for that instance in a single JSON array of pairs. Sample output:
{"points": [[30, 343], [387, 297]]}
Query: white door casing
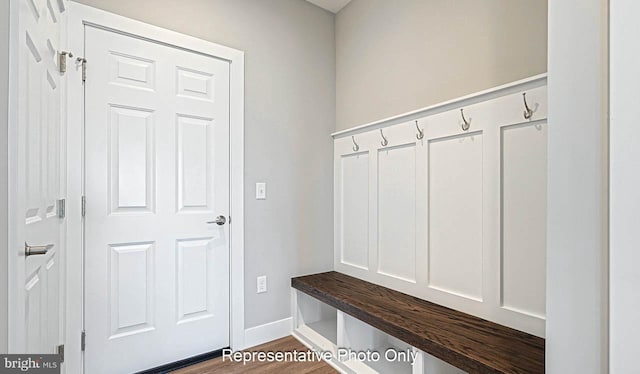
{"points": [[36, 179], [157, 170]]}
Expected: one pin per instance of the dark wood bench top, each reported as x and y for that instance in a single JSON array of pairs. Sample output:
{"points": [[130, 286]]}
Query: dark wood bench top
{"points": [[467, 342]]}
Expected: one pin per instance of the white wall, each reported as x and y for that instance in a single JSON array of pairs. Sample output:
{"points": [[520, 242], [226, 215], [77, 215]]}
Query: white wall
{"points": [[289, 114], [577, 188], [625, 184], [4, 90], [397, 56]]}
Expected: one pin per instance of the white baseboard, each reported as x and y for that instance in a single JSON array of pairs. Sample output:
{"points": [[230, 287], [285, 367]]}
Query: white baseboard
{"points": [[269, 331]]}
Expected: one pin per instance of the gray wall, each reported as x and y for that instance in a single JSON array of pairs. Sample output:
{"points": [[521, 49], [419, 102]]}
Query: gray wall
{"points": [[576, 339], [289, 114], [396, 56], [4, 91]]}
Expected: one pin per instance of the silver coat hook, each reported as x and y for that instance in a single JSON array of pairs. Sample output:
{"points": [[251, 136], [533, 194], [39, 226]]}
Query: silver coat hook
{"points": [[384, 141], [528, 113], [465, 124], [355, 147], [420, 133]]}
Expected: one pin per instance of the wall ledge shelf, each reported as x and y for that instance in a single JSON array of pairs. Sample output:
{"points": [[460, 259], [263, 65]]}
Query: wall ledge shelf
{"points": [[474, 98], [467, 342]]}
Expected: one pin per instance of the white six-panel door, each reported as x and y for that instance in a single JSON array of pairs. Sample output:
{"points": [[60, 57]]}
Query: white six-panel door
{"points": [[157, 170], [37, 280]]}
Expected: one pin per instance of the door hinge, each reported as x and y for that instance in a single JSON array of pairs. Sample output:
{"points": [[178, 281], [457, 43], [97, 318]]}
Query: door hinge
{"points": [[83, 206], [83, 61], [62, 61], [61, 352], [61, 208], [83, 340]]}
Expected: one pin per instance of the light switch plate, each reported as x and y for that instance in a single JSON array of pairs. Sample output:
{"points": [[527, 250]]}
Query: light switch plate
{"points": [[261, 191], [261, 284]]}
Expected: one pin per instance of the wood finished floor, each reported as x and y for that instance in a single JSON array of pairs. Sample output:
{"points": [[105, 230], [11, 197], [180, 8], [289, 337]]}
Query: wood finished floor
{"points": [[285, 344]]}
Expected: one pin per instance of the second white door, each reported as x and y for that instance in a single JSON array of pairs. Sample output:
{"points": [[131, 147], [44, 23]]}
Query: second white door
{"points": [[157, 177]]}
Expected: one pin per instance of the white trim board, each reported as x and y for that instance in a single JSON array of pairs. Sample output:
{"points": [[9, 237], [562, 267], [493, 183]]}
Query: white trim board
{"points": [[12, 172], [80, 16], [268, 332], [474, 98], [11, 133]]}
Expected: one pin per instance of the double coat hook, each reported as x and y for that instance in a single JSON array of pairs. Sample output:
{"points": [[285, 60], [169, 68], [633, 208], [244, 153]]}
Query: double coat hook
{"points": [[355, 147], [420, 133], [465, 124], [528, 113], [384, 141]]}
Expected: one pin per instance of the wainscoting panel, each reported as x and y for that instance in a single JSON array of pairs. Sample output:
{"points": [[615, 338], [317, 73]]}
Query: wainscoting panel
{"points": [[354, 190], [524, 217], [449, 205], [397, 212], [455, 215]]}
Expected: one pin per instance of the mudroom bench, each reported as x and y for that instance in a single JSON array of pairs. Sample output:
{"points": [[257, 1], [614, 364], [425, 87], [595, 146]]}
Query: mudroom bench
{"points": [[335, 312]]}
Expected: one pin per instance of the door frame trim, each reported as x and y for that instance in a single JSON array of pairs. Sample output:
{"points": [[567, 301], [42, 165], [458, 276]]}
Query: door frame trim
{"points": [[14, 232], [79, 16]]}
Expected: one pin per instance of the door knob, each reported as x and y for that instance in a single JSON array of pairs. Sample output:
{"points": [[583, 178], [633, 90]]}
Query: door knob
{"points": [[220, 220], [32, 250]]}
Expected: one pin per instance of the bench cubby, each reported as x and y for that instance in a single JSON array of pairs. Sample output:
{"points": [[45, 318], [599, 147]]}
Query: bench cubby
{"points": [[315, 321], [369, 317], [357, 337]]}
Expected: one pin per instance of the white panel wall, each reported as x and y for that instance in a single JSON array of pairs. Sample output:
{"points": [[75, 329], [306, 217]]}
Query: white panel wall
{"points": [[397, 212], [524, 218], [354, 190], [454, 216]]}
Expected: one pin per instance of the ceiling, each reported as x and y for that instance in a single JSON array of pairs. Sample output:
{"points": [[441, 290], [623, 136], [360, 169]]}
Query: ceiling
{"points": [[333, 6]]}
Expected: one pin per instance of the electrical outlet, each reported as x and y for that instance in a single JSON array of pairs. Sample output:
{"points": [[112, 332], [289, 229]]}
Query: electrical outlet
{"points": [[262, 284], [261, 191]]}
